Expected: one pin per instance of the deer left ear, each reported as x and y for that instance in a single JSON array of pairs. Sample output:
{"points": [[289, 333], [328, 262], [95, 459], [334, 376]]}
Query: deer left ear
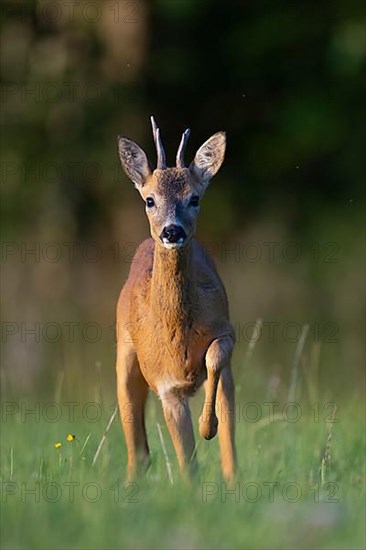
{"points": [[209, 158]]}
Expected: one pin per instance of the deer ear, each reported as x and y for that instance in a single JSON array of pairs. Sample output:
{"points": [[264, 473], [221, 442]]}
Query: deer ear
{"points": [[209, 158], [134, 161]]}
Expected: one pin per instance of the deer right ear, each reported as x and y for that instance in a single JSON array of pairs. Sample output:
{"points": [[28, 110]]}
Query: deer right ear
{"points": [[134, 161]]}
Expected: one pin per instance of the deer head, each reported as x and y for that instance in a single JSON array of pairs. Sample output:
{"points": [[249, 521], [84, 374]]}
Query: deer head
{"points": [[172, 195]]}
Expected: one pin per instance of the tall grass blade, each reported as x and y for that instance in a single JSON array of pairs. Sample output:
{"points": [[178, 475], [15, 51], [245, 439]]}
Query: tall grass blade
{"points": [[11, 463], [326, 454], [85, 444], [102, 441], [295, 364], [254, 339], [167, 461], [59, 386]]}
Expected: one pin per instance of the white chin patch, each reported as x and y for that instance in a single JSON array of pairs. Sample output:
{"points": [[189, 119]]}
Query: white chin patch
{"points": [[169, 245]]}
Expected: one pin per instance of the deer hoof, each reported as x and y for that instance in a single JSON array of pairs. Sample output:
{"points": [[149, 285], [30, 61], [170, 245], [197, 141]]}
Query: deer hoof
{"points": [[208, 427]]}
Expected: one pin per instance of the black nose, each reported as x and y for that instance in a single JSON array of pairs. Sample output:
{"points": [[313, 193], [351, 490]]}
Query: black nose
{"points": [[173, 234]]}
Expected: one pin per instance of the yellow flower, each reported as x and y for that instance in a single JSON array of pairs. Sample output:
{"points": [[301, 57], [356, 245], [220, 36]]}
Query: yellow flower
{"points": [[70, 437], [57, 445]]}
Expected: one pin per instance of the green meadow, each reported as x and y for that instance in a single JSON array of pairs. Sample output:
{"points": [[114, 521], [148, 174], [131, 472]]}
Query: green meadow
{"points": [[300, 481]]}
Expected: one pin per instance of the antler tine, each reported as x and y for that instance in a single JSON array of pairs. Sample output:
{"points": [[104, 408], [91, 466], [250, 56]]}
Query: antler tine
{"points": [[161, 163], [181, 148]]}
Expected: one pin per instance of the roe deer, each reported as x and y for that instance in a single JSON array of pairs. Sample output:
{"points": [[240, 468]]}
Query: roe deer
{"points": [[173, 328]]}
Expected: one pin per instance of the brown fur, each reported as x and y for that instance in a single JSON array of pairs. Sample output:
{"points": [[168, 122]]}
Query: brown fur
{"points": [[173, 333]]}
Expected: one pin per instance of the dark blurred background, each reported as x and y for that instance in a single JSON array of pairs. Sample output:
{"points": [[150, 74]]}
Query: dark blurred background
{"points": [[285, 79]]}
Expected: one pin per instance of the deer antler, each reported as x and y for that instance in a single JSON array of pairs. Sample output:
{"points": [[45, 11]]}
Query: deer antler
{"points": [[161, 163], [181, 148]]}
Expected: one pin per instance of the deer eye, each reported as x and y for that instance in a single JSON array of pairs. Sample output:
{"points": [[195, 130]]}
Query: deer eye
{"points": [[195, 200], [150, 202]]}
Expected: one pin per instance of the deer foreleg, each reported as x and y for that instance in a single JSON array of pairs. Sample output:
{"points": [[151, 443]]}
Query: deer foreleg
{"points": [[218, 357], [132, 393]]}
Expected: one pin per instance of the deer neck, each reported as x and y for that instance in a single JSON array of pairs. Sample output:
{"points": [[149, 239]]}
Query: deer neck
{"points": [[173, 294]]}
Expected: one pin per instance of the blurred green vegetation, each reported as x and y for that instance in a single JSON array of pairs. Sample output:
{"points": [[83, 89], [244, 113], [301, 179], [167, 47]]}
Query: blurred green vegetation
{"points": [[286, 81]]}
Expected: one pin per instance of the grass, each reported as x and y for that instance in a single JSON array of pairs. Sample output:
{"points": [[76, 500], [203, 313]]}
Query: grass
{"points": [[300, 484]]}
